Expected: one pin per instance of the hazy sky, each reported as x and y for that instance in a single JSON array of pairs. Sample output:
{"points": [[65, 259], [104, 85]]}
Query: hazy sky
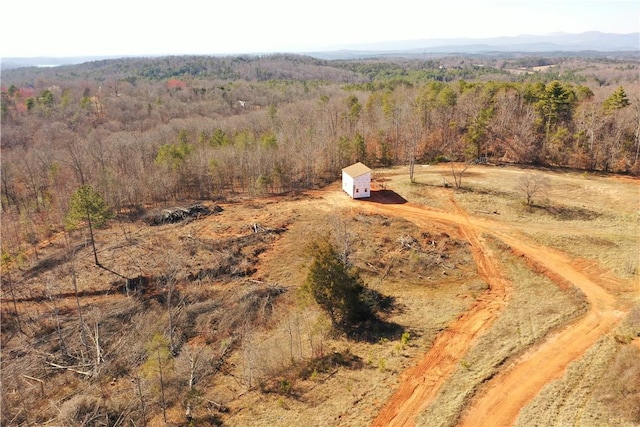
{"points": [[142, 27]]}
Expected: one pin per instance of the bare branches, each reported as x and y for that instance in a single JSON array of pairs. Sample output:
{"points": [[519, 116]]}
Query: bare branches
{"points": [[70, 368], [532, 185], [458, 170]]}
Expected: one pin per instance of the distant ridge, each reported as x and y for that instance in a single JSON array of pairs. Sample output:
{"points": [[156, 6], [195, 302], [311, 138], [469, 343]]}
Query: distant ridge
{"points": [[555, 42], [49, 61], [591, 41]]}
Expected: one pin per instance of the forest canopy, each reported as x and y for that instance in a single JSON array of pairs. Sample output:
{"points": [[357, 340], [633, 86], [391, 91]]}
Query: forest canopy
{"points": [[146, 131]]}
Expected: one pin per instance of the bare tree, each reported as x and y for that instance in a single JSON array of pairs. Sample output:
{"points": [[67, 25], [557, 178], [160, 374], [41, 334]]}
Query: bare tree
{"points": [[56, 312], [415, 130], [171, 287], [74, 281], [195, 362], [344, 238], [136, 380], [532, 185], [458, 170], [5, 280]]}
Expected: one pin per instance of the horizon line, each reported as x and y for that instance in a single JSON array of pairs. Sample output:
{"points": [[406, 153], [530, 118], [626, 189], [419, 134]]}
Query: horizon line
{"points": [[354, 46]]}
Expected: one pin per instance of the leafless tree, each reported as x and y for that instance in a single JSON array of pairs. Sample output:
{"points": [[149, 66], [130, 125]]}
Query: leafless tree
{"points": [[415, 135], [532, 185], [344, 238], [6, 282], [138, 391], [74, 281], [457, 171]]}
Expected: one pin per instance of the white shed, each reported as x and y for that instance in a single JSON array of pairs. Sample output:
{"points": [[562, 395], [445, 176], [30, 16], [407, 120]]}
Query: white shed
{"points": [[356, 180]]}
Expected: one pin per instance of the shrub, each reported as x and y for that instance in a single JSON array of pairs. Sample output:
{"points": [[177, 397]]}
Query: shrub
{"points": [[338, 289]]}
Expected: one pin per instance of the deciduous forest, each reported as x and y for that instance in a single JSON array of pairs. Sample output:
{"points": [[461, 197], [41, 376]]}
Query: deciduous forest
{"points": [[146, 322], [145, 131]]}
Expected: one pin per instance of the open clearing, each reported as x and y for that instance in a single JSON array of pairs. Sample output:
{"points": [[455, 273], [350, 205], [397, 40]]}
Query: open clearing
{"points": [[517, 314], [506, 394]]}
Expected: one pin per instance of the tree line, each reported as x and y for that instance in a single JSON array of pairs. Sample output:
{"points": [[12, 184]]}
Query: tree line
{"points": [[287, 123]]}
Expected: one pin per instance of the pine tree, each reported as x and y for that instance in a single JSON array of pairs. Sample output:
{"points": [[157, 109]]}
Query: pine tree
{"points": [[159, 365], [87, 204], [616, 101], [555, 105], [338, 289]]}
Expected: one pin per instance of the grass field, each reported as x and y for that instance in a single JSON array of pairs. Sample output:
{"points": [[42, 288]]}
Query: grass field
{"points": [[260, 353]]}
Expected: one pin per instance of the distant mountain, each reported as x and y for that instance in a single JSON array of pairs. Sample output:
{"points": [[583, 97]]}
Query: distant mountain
{"points": [[555, 42], [592, 42]]}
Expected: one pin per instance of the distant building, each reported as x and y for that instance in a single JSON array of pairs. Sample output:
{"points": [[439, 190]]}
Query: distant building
{"points": [[356, 180]]}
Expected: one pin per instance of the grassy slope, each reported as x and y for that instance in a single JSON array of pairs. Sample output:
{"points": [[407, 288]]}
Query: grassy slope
{"points": [[536, 307], [591, 217], [588, 216]]}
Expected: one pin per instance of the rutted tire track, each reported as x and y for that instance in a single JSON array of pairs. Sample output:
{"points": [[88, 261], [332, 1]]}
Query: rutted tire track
{"points": [[422, 382], [507, 393]]}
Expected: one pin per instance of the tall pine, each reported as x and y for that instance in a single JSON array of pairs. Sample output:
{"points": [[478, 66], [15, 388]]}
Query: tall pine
{"points": [[616, 101]]}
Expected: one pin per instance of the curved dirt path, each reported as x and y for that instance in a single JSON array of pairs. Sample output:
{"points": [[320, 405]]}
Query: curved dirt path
{"points": [[422, 382], [507, 393]]}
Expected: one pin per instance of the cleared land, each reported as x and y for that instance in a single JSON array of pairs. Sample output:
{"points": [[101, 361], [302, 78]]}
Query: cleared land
{"points": [[516, 314], [499, 400]]}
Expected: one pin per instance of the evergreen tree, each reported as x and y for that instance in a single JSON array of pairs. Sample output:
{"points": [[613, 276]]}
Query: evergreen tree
{"points": [[616, 101], [87, 204], [338, 289], [158, 366], [360, 148], [555, 105]]}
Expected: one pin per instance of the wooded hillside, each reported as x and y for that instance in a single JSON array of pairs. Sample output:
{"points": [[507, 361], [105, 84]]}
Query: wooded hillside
{"points": [[150, 277], [150, 131]]}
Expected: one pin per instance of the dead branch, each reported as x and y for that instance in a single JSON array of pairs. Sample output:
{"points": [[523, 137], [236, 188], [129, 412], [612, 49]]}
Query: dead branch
{"points": [[270, 284], [70, 368], [38, 380], [258, 228], [219, 407]]}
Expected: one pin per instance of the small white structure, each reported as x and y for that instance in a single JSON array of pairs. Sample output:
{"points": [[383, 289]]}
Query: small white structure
{"points": [[356, 180]]}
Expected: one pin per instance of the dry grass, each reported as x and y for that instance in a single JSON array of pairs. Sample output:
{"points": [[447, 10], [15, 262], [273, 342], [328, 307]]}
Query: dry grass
{"points": [[425, 301], [602, 388], [589, 216], [521, 324], [595, 218], [265, 339]]}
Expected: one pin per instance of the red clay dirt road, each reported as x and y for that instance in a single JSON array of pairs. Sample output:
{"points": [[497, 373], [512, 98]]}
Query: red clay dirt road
{"points": [[421, 383], [502, 398], [509, 391]]}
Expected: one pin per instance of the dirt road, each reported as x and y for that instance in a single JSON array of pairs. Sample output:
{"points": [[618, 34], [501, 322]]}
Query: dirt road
{"points": [[421, 383], [509, 391], [505, 395]]}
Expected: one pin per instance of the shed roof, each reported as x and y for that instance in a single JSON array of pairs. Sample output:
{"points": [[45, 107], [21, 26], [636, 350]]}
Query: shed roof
{"points": [[356, 169]]}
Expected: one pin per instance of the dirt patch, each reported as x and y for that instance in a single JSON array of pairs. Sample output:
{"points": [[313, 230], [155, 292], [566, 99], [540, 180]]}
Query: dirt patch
{"points": [[435, 251], [546, 362], [423, 381]]}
